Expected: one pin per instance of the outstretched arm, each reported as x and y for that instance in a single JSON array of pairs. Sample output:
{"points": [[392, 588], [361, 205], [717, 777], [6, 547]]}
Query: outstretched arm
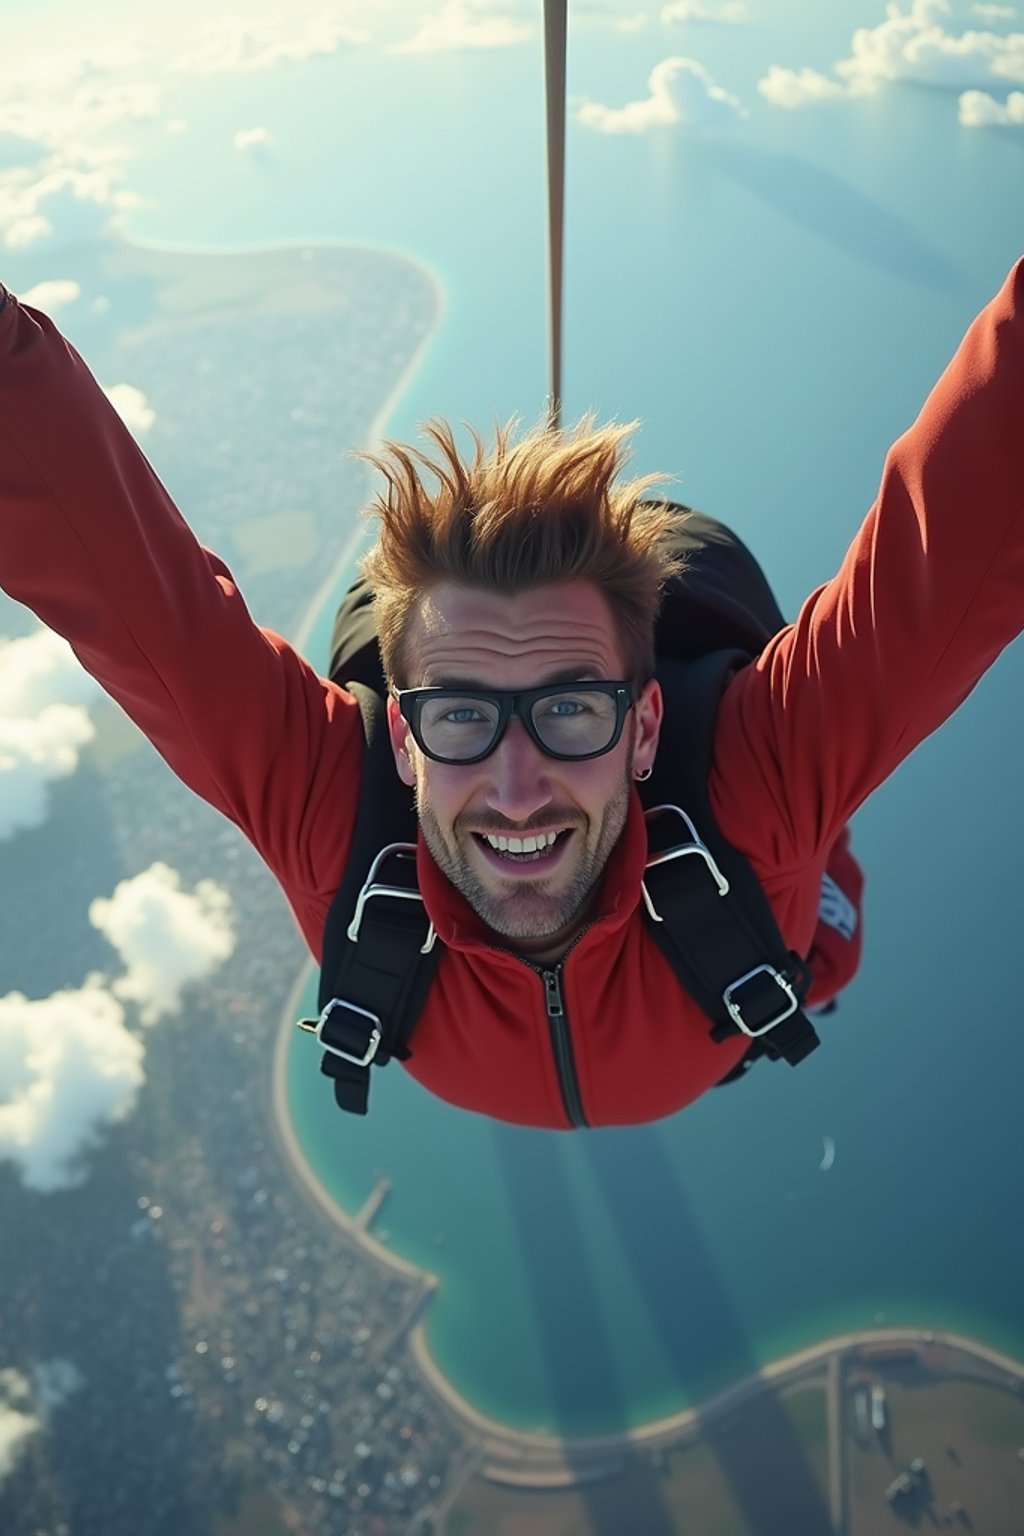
{"points": [[931, 590], [91, 542]]}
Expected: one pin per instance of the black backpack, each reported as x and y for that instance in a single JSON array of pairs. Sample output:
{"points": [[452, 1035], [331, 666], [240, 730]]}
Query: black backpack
{"points": [[702, 902]]}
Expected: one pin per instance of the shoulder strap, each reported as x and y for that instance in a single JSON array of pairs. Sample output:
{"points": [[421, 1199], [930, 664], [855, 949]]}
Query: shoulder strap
{"points": [[373, 991], [708, 913]]}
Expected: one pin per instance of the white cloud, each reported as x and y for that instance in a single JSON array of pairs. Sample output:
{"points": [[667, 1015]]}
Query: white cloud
{"points": [[913, 45], [910, 45], [38, 670], [166, 938], [255, 139], [52, 105], [71, 196], [51, 295], [682, 94], [234, 46], [797, 87], [729, 13], [59, 100], [68, 1067], [464, 24], [24, 1405], [17, 1421], [977, 109], [43, 724], [68, 1064], [1009, 64], [995, 12], [132, 406]]}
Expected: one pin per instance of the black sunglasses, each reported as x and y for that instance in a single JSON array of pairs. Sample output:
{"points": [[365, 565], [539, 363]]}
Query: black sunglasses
{"points": [[568, 721]]}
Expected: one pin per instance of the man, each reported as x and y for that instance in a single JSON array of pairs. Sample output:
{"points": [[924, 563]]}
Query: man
{"points": [[524, 588]]}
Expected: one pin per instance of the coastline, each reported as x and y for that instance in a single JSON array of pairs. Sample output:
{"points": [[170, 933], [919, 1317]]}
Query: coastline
{"points": [[545, 1455], [355, 1227], [327, 592], [535, 1458]]}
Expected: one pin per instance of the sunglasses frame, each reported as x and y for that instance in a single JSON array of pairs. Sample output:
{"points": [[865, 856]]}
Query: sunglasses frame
{"points": [[514, 701]]}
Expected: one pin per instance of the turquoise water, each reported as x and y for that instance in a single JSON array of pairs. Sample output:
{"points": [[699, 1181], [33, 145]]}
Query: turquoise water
{"points": [[774, 302]]}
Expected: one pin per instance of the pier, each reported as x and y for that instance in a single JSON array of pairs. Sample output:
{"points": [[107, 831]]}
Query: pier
{"points": [[371, 1207]]}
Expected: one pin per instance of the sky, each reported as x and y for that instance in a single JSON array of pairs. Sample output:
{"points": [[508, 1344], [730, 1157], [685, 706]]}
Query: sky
{"points": [[80, 121]]}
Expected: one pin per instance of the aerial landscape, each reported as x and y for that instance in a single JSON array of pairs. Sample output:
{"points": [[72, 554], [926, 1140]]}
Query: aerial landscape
{"points": [[227, 1310]]}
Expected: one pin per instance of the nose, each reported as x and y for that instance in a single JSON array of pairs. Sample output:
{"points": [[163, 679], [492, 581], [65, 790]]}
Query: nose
{"points": [[518, 784]]}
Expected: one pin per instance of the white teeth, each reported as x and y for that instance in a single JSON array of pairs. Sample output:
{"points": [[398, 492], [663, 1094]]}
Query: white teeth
{"points": [[521, 844]]}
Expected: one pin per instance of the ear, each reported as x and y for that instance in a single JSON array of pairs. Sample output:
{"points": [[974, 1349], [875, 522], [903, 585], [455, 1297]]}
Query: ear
{"points": [[402, 744], [649, 708]]}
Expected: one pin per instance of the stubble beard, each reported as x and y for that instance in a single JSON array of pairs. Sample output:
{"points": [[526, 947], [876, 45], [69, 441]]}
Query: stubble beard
{"points": [[530, 912]]}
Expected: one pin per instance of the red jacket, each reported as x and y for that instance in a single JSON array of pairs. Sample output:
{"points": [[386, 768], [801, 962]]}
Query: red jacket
{"points": [[931, 590]]}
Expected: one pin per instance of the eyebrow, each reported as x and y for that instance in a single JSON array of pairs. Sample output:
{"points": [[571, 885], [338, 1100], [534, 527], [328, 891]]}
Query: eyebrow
{"points": [[561, 675]]}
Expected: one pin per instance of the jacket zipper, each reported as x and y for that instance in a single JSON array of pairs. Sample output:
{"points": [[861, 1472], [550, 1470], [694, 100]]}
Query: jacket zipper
{"points": [[561, 1044], [561, 1040]]}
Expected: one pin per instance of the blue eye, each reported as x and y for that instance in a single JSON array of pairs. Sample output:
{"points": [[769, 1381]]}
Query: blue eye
{"points": [[464, 714]]}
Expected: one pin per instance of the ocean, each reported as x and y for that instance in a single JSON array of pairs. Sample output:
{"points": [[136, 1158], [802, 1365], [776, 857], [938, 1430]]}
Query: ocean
{"points": [[772, 299]]}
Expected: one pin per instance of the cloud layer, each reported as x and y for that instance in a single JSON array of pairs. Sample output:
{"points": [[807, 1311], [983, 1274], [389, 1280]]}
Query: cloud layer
{"points": [[910, 45], [56, 182], [681, 94]]}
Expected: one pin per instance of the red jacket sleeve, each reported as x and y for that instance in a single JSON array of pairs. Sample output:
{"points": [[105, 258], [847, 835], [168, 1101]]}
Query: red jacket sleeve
{"points": [[91, 542], [931, 590]]}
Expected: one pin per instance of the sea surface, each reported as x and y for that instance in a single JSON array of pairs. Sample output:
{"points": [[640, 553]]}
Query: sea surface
{"points": [[772, 300]]}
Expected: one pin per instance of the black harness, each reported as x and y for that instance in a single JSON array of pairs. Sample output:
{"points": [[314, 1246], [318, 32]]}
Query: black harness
{"points": [[702, 902]]}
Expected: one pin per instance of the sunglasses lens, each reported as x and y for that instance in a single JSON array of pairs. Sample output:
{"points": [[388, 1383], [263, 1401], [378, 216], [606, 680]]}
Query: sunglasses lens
{"points": [[457, 728], [576, 723]]}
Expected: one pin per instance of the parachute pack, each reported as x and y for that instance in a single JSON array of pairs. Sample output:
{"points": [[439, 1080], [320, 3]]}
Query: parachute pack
{"points": [[702, 901]]}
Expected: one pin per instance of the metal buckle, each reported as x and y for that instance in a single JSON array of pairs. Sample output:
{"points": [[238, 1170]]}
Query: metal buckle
{"points": [[371, 888], [316, 1027], [734, 1009], [679, 851]]}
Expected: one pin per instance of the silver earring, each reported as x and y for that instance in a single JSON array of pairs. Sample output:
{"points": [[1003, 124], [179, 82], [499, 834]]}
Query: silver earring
{"points": [[644, 775]]}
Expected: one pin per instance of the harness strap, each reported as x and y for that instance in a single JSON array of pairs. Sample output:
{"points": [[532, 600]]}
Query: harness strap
{"points": [[379, 958], [716, 928]]}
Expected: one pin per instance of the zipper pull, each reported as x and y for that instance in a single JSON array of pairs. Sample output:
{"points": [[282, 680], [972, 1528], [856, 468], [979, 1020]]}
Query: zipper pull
{"points": [[553, 995]]}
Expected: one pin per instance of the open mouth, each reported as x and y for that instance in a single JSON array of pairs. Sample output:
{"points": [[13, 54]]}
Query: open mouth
{"points": [[542, 849]]}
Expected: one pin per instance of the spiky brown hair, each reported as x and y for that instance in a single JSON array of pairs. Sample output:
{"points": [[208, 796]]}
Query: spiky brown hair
{"points": [[526, 513]]}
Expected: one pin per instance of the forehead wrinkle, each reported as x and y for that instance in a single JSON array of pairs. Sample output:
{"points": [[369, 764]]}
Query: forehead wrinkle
{"points": [[466, 633], [468, 648]]}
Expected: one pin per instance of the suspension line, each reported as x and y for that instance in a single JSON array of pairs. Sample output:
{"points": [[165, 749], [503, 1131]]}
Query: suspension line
{"points": [[555, 28]]}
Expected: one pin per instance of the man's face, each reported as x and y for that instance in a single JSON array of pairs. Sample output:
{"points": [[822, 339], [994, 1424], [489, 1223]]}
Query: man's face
{"points": [[463, 636]]}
